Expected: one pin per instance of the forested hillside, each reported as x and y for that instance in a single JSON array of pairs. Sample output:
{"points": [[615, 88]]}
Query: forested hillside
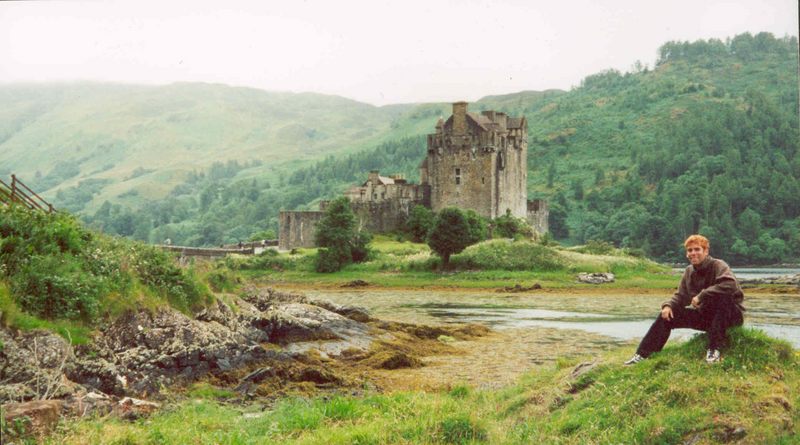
{"points": [[706, 140]]}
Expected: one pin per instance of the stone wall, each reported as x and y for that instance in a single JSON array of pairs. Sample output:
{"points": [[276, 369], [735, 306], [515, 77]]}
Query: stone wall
{"points": [[296, 228], [538, 215]]}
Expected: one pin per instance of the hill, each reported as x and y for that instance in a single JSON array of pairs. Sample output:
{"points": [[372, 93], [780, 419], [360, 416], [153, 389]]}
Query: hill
{"points": [[706, 140]]}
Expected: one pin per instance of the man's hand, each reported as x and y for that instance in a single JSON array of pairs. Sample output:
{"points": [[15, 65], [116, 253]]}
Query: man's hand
{"points": [[666, 313], [696, 301]]}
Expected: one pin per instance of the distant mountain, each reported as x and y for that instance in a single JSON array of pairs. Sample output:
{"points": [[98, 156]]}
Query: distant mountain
{"points": [[57, 135], [204, 164]]}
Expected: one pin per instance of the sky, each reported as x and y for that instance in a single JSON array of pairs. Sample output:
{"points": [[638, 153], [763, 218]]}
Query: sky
{"points": [[379, 52]]}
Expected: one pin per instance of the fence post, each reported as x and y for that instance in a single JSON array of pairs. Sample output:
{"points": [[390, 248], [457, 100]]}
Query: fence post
{"points": [[13, 186]]}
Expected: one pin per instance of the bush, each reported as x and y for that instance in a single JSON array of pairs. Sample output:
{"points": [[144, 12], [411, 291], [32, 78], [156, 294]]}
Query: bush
{"points": [[594, 247], [508, 255], [56, 269], [508, 226]]}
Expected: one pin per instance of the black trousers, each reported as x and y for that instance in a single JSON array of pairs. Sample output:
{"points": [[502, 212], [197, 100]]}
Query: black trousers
{"points": [[715, 316]]}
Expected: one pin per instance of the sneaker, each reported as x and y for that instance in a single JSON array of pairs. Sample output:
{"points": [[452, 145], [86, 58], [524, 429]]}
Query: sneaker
{"points": [[634, 360], [713, 356]]}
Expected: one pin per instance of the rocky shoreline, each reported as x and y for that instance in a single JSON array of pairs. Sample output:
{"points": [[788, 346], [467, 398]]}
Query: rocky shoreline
{"points": [[258, 344]]}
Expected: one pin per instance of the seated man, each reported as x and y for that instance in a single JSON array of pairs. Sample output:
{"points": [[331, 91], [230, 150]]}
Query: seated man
{"points": [[714, 298]]}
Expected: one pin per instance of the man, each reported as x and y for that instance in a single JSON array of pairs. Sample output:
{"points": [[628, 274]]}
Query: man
{"points": [[714, 301]]}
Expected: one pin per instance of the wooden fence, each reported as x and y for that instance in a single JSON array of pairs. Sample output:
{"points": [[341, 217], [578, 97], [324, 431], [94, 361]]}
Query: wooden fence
{"points": [[19, 193]]}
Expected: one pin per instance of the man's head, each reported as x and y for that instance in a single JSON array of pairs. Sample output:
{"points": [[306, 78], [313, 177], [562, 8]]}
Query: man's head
{"points": [[696, 249]]}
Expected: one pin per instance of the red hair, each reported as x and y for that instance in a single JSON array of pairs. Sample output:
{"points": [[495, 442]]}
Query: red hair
{"points": [[697, 239]]}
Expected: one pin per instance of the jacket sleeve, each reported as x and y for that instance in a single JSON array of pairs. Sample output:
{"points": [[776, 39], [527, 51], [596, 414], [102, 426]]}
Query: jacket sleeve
{"points": [[681, 297], [724, 282]]}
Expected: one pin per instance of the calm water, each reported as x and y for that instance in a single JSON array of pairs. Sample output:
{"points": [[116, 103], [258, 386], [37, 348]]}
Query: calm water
{"points": [[752, 273], [622, 328]]}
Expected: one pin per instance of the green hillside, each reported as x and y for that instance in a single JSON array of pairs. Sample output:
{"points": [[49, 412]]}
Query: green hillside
{"points": [[148, 138], [706, 140]]}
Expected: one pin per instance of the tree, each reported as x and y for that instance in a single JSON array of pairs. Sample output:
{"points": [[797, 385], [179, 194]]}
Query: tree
{"points": [[419, 223], [449, 234], [478, 228], [338, 238]]}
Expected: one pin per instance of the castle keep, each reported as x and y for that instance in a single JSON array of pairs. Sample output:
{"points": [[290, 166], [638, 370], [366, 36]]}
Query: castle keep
{"points": [[474, 161], [479, 162]]}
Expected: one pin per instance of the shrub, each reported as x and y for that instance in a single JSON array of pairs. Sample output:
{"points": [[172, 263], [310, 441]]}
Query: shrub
{"points": [[56, 269], [508, 226], [504, 254], [595, 247]]}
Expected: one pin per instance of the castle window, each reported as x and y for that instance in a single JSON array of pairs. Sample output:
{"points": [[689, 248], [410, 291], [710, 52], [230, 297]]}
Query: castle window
{"points": [[483, 181], [458, 176], [383, 195]]}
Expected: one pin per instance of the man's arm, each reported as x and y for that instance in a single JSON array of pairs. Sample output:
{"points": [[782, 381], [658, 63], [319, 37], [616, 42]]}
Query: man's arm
{"points": [[681, 297], [724, 282]]}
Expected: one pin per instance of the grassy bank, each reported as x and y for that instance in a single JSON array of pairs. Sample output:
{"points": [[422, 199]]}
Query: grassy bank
{"points": [[490, 264], [675, 396], [57, 275]]}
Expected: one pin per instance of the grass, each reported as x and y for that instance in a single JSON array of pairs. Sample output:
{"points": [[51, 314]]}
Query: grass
{"points": [[671, 398], [10, 316], [488, 265]]}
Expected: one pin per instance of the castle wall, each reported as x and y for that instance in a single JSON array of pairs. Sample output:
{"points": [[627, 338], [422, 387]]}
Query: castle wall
{"points": [[384, 216], [296, 228], [462, 177], [538, 215]]}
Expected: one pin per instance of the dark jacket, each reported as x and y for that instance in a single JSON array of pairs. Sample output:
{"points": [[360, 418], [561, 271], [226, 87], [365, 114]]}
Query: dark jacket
{"points": [[710, 279]]}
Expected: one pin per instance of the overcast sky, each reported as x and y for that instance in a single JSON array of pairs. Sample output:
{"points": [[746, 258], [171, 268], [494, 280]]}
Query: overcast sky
{"points": [[375, 51]]}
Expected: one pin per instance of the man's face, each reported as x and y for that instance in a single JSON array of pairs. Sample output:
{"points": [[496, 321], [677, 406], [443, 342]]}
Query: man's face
{"points": [[696, 253]]}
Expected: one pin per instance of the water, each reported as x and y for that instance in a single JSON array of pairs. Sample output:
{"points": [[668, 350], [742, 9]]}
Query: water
{"points": [[762, 272], [752, 273], [621, 328]]}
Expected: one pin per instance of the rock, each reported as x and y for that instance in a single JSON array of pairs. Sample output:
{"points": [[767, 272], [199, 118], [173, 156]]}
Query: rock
{"points": [[31, 365], [34, 419], [259, 375], [583, 368], [356, 283], [730, 434], [90, 404], [316, 375], [356, 313], [520, 288], [132, 409], [596, 278], [304, 322]]}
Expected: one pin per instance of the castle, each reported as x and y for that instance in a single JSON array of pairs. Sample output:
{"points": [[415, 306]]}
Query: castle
{"points": [[474, 161]]}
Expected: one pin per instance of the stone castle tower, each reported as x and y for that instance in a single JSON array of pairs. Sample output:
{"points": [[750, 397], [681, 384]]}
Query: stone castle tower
{"points": [[479, 162], [474, 161]]}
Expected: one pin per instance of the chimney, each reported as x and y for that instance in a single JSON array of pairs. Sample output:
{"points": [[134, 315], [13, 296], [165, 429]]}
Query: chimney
{"points": [[373, 177], [460, 118]]}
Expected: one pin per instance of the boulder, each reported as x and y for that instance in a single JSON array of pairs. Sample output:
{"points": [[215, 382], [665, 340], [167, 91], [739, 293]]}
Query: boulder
{"points": [[34, 419], [356, 313], [297, 322], [596, 278]]}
